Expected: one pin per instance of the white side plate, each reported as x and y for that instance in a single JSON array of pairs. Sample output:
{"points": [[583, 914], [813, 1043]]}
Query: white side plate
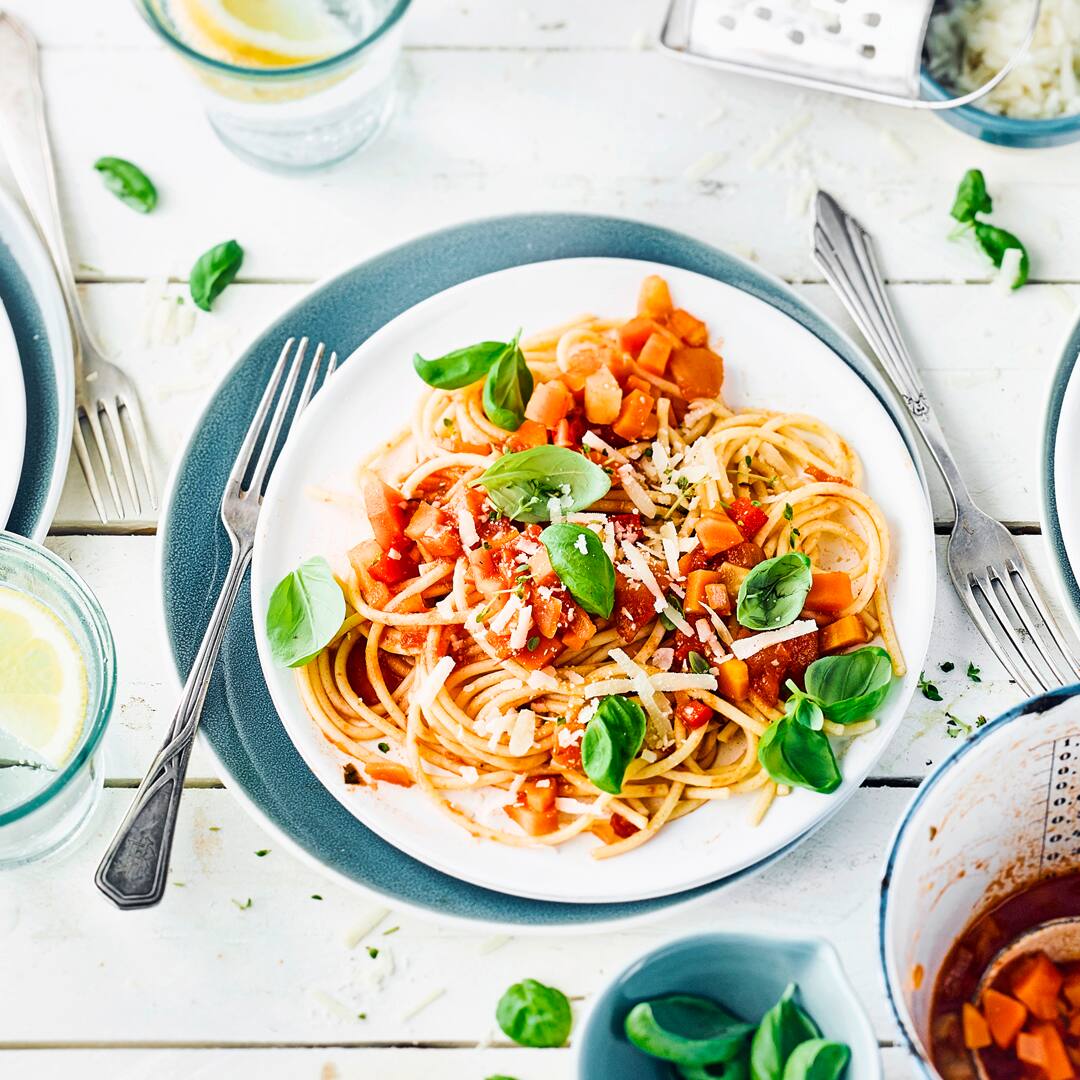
{"points": [[12, 417]]}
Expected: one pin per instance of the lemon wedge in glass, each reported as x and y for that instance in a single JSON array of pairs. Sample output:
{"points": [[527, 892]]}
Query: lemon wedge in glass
{"points": [[267, 33], [42, 679]]}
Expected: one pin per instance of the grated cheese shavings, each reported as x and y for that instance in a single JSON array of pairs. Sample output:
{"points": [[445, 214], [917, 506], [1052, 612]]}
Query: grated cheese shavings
{"points": [[435, 680], [467, 528], [523, 734], [745, 647], [635, 492]]}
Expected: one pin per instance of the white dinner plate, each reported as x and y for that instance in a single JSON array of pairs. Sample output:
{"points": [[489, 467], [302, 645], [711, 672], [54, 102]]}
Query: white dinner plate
{"points": [[770, 361], [12, 416]]}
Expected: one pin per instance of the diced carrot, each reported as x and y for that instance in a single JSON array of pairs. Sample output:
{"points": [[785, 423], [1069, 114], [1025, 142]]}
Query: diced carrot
{"points": [[534, 822], [580, 631], [654, 356], [636, 382], [385, 509], [716, 533], [654, 299], [1056, 1062], [635, 410], [976, 1031], [549, 403], [698, 373], [1030, 1049], [732, 576], [830, 593], [634, 334], [651, 426], [1037, 983], [546, 650], [539, 795], [546, 612], [389, 771], [733, 680], [843, 633], [1074, 1020], [530, 434], [566, 435], [695, 590], [718, 598], [620, 363], [1005, 1016], [691, 329], [543, 573], [603, 397], [1071, 988]]}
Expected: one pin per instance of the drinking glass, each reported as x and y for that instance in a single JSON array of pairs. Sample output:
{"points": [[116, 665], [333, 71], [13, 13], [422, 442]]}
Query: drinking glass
{"points": [[43, 810], [302, 115]]}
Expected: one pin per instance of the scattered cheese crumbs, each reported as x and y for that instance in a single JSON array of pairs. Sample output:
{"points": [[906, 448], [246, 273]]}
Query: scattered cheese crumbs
{"points": [[555, 509], [568, 736], [594, 442], [542, 680], [467, 528], [1009, 271], [649, 755], [635, 492], [581, 544], [506, 613], [673, 681], [677, 620], [333, 1006], [469, 773], [658, 708], [640, 570], [663, 659], [639, 40], [574, 806], [423, 1003], [669, 541], [900, 148], [445, 606], [364, 926], [520, 637], [493, 943], [393, 553], [770, 148], [429, 691], [521, 738], [745, 647], [704, 165]]}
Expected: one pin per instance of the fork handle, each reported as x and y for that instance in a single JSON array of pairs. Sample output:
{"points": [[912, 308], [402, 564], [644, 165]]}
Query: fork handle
{"points": [[24, 137], [133, 871], [844, 252]]}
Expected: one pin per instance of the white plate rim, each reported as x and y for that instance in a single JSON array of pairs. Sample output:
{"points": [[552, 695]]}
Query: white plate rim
{"points": [[12, 415]]}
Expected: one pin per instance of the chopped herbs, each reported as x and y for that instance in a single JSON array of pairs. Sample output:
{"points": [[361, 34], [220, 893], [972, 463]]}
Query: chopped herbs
{"points": [[262, 851], [929, 690], [215, 828], [384, 748], [947, 666], [245, 905], [788, 512], [533, 643], [372, 951], [973, 673], [361, 1016], [315, 896], [698, 664], [392, 930]]}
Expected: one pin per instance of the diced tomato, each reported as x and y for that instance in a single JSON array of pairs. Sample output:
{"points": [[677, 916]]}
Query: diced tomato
{"points": [[568, 433], [717, 532], [361, 557], [803, 651], [393, 567], [627, 527], [547, 611], [534, 822], [654, 356], [634, 606], [694, 714], [546, 650], [746, 555], [698, 373], [622, 828], [568, 756], [357, 676], [695, 559], [385, 509], [822, 477], [747, 516], [550, 402], [435, 532], [527, 436]]}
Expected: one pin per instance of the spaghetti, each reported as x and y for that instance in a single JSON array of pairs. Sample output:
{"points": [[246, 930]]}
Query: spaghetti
{"points": [[466, 665]]}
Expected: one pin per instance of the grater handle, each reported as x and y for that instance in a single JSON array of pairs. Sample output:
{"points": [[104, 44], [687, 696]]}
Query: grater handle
{"points": [[844, 252]]}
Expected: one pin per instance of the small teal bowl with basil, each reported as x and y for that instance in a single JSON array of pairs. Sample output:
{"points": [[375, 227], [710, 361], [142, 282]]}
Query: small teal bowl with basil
{"points": [[746, 974]]}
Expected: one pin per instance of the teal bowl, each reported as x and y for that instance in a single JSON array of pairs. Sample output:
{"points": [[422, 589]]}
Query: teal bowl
{"points": [[744, 971], [1003, 130]]}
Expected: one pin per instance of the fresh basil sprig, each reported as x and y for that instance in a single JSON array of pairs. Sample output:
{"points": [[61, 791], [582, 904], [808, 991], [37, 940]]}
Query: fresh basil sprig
{"points": [[792, 753], [613, 736], [459, 368], [533, 1014], [306, 610], [817, 1059], [588, 575], [507, 388], [128, 183], [784, 1027], [851, 686], [520, 485], [687, 1030], [803, 709], [213, 270], [774, 592], [973, 199]]}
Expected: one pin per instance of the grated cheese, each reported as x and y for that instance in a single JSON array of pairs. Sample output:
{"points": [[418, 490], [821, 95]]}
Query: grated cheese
{"points": [[581, 544], [677, 620], [467, 528], [670, 682], [669, 541], [435, 680], [555, 509], [636, 493], [521, 738], [594, 442], [541, 680], [746, 647], [506, 613], [663, 659], [520, 637], [658, 708]]}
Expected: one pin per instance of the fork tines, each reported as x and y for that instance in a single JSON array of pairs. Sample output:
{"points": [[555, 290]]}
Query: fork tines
{"points": [[1008, 610]]}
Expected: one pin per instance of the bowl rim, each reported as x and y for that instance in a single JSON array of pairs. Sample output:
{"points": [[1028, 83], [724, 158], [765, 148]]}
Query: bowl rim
{"points": [[1038, 704], [752, 931], [91, 609], [148, 9]]}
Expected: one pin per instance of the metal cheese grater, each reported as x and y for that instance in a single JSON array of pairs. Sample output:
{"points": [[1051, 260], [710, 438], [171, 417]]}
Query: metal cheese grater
{"points": [[868, 49]]}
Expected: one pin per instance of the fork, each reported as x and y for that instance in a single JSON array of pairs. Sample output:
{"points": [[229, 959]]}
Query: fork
{"points": [[133, 870], [102, 390], [985, 564]]}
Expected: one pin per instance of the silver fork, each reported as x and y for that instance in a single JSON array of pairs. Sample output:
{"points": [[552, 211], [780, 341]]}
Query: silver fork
{"points": [[985, 563], [102, 390], [132, 873]]}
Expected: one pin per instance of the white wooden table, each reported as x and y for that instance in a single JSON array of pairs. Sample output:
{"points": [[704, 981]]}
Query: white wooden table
{"points": [[509, 105]]}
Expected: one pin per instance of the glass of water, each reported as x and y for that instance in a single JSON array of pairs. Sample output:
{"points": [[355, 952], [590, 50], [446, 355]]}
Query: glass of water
{"points": [[289, 84], [57, 685]]}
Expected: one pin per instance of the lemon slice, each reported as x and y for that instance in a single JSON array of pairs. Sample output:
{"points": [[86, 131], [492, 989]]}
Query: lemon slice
{"points": [[270, 33], [42, 679]]}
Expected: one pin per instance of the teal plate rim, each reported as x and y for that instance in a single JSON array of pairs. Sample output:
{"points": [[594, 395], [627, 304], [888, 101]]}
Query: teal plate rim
{"points": [[240, 725]]}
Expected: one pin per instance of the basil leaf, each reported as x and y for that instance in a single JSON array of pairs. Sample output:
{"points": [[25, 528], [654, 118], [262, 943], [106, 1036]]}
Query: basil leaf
{"points": [[460, 367], [971, 197], [794, 754], [803, 709], [817, 1059], [850, 687], [533, 1014], [782, 1029], [773, 593], [128, 183], [613, 736], [507, 389], [698, 664], [995, 242], [213, 270], [521, 484], [687, 1030], [588, 575], [736, 1069], [306, 610]]}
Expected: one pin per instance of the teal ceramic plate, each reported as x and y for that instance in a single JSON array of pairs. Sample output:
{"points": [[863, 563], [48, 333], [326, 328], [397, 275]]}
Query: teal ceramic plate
{"points": [[240, 723], [31, 297]]}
